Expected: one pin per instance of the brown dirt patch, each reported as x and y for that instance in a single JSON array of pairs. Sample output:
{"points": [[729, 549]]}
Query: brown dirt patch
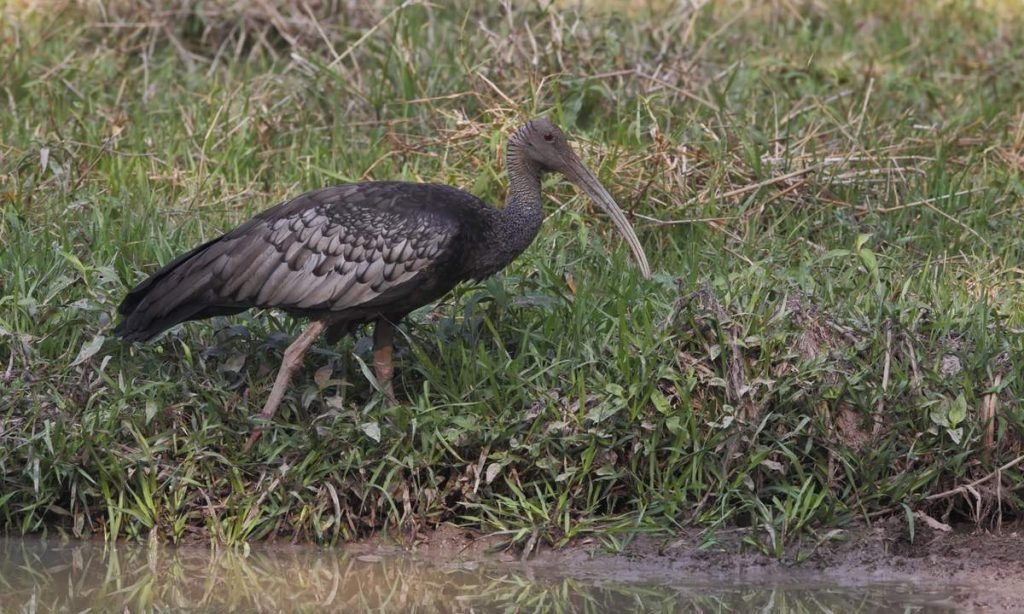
{"points": [[982, 570]]}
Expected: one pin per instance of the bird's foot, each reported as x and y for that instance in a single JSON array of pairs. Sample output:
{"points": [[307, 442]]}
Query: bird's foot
{"points": [[253, 437], [389, 392], [291, 361]]}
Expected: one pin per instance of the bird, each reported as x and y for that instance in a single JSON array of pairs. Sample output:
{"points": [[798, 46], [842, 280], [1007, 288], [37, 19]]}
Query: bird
{"points": [[371, 252]]}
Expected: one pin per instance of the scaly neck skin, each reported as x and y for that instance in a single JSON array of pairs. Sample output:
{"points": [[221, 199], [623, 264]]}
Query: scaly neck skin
{"points": [[515, 226]]}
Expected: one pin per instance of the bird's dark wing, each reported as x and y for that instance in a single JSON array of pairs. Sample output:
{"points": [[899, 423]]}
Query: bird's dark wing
{"points": [[329, 250]]}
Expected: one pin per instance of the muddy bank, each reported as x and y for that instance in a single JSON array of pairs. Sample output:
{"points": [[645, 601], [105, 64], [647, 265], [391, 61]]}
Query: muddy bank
{"points": [[982, 571]]}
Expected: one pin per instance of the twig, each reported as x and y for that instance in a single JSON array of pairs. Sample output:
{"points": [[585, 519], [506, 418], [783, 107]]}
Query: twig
{"points": [[773, 180], [8, 374], [988, 415], [783, 192], [864, 106], [686, 93], [927, 201], [327, 43], [968, 487], [886, 368], [496, 89], [371, 31], [933, 524], [959, 223], [697, 220], [736, 253], [915, 373]]}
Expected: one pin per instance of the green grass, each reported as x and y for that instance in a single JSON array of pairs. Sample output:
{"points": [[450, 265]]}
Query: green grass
{"points": [[830, 199]]}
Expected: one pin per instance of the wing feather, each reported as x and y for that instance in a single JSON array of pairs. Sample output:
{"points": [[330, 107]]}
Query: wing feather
{"points": [[335, 255], [250, 275], [361, 247]]}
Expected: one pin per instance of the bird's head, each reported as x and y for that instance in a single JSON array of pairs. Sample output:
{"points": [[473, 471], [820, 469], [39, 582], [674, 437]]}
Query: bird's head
{"points": [[543, 144], [542, 147]]}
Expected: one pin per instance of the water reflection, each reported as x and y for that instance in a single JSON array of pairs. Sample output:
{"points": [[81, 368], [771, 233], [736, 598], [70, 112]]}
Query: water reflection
{"points": [[43, 576]]}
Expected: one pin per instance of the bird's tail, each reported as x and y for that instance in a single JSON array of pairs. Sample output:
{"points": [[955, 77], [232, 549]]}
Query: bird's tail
{"points": [[176, 293]]}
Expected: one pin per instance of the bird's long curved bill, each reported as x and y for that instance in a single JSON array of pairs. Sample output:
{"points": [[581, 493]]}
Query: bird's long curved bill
{"points": [[581, 176]]}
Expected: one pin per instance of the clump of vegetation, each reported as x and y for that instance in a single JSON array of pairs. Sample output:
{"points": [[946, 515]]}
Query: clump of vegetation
{"points": [[829, 196]]}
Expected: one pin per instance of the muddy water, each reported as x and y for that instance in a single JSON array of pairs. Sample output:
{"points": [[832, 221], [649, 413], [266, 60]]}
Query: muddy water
{"points": [[46, 576]]}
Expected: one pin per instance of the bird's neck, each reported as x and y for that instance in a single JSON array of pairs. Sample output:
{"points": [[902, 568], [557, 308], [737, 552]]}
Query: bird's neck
{"points": [[515, 226]]}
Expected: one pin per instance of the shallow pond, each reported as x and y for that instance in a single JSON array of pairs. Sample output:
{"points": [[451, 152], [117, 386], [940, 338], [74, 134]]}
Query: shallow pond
{"points": [[48, 575]]}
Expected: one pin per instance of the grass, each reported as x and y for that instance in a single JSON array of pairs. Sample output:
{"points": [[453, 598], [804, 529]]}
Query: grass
{"points": [[830, 196]]}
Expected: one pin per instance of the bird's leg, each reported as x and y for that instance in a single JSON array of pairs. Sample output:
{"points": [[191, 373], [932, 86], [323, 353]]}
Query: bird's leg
{"points": [[289, 364], [383, 348]]}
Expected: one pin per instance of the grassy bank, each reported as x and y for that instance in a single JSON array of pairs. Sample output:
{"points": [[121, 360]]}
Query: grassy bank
{"points": [[830, 197]]}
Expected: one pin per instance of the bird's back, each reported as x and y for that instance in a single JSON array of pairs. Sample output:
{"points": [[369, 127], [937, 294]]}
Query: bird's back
{"points": [[363, 249]]}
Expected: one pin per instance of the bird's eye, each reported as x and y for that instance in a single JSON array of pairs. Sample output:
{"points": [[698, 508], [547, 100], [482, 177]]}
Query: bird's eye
{"points": [[548, 136]]}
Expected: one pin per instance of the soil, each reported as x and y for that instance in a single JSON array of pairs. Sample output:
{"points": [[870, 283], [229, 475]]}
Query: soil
{"points": [[981, 570]]}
